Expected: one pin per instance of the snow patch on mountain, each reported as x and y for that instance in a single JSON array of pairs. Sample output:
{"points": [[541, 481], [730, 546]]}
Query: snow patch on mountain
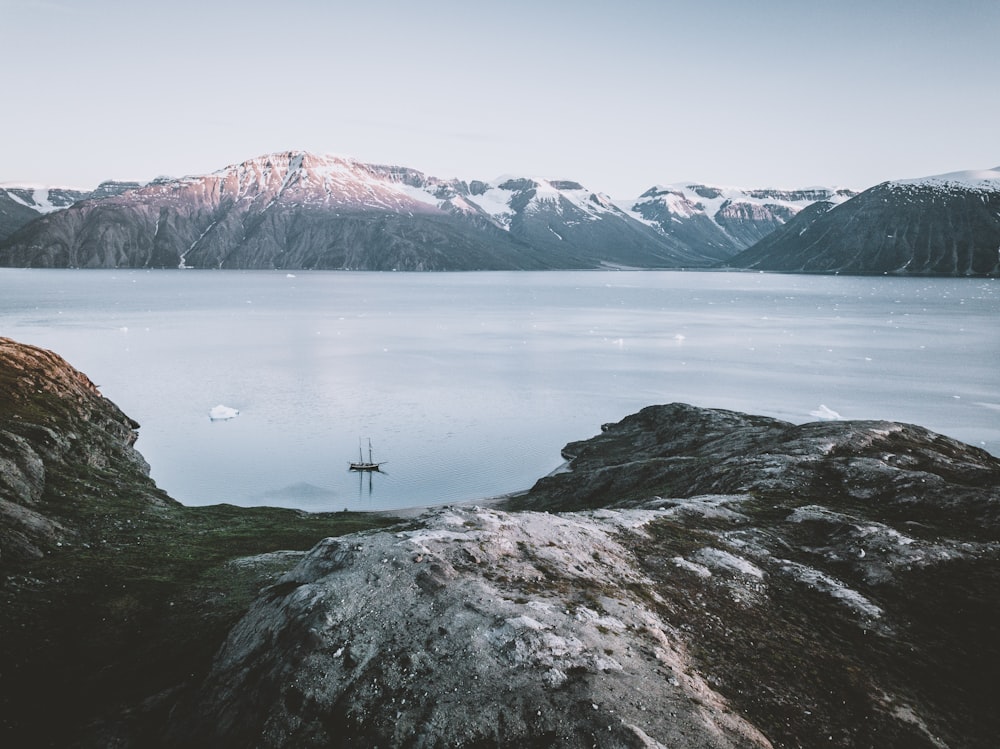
{"points": [[42, 199], [506, 196], [972, 179], [495, 201], [686, 200]]}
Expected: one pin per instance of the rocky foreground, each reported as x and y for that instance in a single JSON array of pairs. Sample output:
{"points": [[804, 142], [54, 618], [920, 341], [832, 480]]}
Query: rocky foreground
{"points": [[695, 578]]}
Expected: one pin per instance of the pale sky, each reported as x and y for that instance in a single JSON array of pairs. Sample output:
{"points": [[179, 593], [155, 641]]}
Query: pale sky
{"points": [[619, 95]]}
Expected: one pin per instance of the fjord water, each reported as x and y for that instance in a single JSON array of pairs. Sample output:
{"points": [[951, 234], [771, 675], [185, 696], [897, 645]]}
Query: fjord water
{"points": [[469, 384]]}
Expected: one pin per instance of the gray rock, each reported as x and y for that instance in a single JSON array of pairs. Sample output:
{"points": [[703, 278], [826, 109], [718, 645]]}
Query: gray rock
{"points": [[711, 579], [840, 580], [55, 429], [477, 628]]}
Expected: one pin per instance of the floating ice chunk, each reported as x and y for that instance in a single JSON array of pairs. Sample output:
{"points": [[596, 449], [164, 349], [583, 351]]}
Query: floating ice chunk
{"points": [[826, 414], [221, 413]]}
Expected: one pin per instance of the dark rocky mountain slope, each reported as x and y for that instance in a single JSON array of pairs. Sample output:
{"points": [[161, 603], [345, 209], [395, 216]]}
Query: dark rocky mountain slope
{"points": [[13, 214], [943, 226], [695, 578], [21, 205]]}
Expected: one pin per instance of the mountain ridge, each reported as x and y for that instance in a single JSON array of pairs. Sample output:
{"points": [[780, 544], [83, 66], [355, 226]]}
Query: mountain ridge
{"points": [[944, 225], [299, 210]]}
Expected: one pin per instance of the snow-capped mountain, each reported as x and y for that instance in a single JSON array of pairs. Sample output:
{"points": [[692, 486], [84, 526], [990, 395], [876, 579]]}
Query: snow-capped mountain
{"points": [[286, 210], [722, 221], [21, 204], [574, 226], [300, 210], [41, 199], [942, 225]]}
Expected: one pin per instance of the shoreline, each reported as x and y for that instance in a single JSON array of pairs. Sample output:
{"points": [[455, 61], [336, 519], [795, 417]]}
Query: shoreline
{"points": [[491, 501], [408, 513]]}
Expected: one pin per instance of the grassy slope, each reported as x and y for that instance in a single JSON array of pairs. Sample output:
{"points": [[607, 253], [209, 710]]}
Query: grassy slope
{"points": [[121, 620]]}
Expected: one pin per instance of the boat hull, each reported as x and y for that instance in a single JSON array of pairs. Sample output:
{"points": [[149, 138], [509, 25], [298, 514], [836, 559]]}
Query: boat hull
{"points": [[365, 466]]}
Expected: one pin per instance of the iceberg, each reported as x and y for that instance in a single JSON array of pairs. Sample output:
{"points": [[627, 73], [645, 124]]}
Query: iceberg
{"points": [[222, 413]]}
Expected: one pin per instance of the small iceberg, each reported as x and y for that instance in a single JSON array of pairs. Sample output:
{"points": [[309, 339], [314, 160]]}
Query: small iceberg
{"points": [[222, 413], [826, 414]]}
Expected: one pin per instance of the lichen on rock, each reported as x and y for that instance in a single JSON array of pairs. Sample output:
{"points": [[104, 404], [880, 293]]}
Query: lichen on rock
{"points": [[477, 626]]}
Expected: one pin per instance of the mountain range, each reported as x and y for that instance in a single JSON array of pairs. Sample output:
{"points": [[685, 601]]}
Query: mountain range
{"points": [[298, 210]]}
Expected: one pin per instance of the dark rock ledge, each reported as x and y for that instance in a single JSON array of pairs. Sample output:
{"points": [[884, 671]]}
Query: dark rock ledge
{"points": [[698, 578]]}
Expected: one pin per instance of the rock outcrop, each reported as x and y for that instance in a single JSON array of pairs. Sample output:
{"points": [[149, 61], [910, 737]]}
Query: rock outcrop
{"points": [[56, 432], [712, 579], [476, 628], [681, 451], [838, 579]]}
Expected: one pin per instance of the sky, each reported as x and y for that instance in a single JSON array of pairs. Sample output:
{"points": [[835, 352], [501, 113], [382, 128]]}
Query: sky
{"points": [[619, 95]]}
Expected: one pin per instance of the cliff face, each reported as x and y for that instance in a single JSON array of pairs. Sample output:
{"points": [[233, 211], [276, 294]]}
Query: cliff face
{"points": [[56, 432]]}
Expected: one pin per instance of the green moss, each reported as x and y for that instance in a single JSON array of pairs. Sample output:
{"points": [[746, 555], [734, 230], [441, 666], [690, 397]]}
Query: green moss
{"points": [[136, 605]]}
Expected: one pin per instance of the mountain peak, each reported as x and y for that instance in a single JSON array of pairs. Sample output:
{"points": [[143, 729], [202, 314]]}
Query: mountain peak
{"points": [[945, 225]]}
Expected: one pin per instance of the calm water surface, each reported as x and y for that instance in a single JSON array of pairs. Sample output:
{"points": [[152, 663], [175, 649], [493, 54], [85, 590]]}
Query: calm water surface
{"points": [[469, 384]]}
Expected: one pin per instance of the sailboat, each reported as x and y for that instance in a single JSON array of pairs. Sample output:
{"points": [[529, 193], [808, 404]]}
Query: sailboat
{"points": [[365, 465]]}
